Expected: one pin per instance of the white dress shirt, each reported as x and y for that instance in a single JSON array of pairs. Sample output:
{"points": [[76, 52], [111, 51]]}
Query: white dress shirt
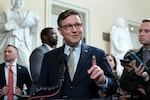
{"points": [[76, 53], [50, 48]]}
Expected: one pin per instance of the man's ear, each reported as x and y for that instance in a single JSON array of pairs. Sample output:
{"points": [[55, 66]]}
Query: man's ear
{"points": [[59, 30], [44, 38], [17, 55]]}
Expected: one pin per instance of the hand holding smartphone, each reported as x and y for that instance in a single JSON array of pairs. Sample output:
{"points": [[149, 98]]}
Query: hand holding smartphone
{"points": [[125, 64], [132, 56]]}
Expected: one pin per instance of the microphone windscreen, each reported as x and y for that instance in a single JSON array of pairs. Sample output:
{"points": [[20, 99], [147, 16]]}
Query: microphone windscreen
{"points": [[63, 58]]}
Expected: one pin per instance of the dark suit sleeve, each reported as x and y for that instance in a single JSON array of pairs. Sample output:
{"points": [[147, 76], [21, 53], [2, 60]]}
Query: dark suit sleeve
{"points": [[2, 78], [112, 85], [49, 75], [35, 64], [44, 73], [28, 81], [23, 78]]}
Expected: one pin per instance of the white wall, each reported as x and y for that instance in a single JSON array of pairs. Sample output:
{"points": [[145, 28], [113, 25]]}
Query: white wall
{"points": [[103, 14]]}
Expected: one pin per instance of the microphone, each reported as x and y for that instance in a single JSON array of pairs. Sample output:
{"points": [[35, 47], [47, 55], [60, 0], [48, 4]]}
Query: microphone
{"points": [[50, 92], [63, 58], [22, 96]]}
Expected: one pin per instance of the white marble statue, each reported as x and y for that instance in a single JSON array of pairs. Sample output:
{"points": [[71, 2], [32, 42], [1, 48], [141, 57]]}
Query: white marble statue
{"points": [[20, 28], [120, 41]]}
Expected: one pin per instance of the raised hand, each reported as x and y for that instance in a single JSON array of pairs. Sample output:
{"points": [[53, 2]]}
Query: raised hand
{"points": [[96, 72]]}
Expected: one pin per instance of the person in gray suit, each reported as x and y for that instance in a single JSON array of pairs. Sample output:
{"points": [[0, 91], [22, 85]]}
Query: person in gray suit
{"points": [[49, 42]]}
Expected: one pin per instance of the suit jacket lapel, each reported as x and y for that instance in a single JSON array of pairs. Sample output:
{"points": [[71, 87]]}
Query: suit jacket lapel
{"points": [[82, 60], [139, 53], [18, 74]]}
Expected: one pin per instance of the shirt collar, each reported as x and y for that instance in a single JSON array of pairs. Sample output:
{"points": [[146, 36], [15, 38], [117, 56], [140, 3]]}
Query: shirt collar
{"points": [[77, 48], [50, 48], [145, 49], [13, 64]]}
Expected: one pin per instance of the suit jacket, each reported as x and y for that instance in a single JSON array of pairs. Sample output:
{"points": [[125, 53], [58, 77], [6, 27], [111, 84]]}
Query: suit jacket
{"points": [[81, 86], [36, 59], [23, 77]]}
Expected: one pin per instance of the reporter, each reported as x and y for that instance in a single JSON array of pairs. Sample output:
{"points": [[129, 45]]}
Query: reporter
{"points": [[135, 79]]}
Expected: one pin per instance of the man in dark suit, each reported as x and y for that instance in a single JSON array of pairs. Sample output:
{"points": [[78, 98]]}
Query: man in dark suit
{"points": [[21, 75], [135, 78], [49, 42], [91, 69]]}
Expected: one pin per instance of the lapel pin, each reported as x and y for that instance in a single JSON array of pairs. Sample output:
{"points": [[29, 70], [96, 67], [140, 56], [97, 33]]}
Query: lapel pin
{"points": [[19, 67], [85, 50]]}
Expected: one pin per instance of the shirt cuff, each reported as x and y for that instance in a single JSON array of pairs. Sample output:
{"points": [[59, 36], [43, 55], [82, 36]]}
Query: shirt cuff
{"points": [[105, 85], [24, 92]]}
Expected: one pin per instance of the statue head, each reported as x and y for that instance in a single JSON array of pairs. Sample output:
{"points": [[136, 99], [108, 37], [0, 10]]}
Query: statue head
{"points": [[17, 3], [121, 22]]}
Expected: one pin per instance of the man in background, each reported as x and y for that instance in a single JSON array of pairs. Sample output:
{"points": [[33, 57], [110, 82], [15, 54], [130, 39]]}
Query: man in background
{"points": [[135, 78], [49, 42], [19, 27], [19, 75]]}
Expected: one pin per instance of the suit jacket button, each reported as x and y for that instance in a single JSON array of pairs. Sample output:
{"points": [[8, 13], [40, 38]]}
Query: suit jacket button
{"points": [[71, 87], [65, 97]]}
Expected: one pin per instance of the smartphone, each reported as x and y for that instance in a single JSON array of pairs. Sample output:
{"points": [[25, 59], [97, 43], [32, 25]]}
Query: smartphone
{"points": [[132, 56], [125, 61]]}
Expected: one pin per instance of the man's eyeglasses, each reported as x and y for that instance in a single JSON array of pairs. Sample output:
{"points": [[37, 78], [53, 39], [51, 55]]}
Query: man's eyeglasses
{"points": [[70, 26]]}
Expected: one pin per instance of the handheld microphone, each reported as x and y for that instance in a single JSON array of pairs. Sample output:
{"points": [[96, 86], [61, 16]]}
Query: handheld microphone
{"points": [[63, 58]]}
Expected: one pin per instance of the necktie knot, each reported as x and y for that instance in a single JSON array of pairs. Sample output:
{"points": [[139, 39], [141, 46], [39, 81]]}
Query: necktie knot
{"points": [[10, 66], [71, 49]]}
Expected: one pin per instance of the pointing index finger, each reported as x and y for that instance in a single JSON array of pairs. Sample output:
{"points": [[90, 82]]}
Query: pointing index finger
{"points": [[93, 60]]}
